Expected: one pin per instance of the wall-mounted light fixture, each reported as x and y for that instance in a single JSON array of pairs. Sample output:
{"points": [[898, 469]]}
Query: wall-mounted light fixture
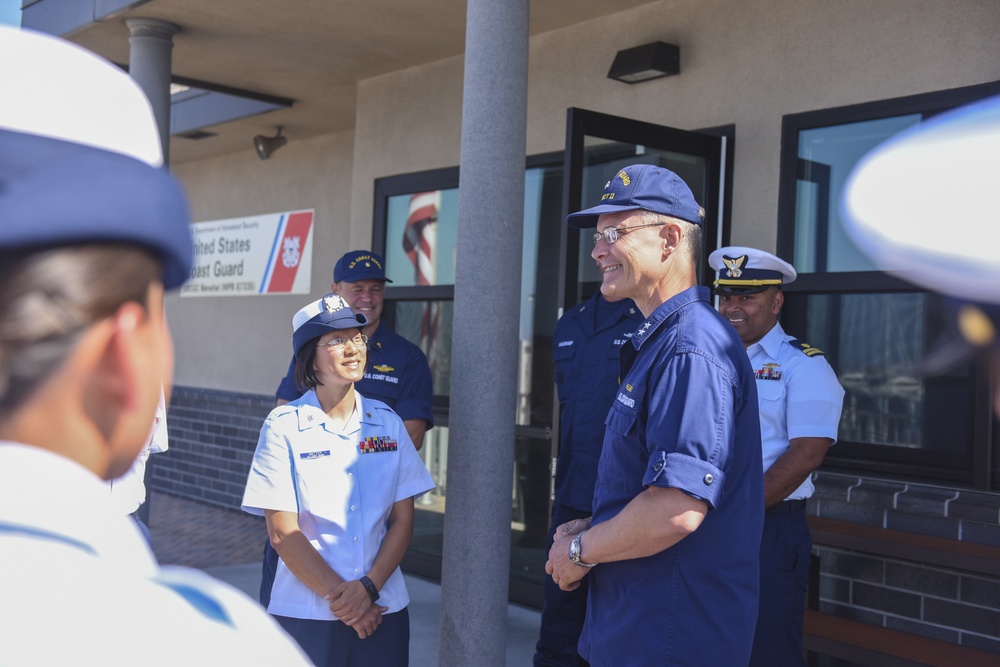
{"points": [[265, 146], [649, 61]]}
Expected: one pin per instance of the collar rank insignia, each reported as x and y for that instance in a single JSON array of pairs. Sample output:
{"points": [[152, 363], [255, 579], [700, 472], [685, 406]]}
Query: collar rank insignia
{"points": [[735, 265], [767, 372], [376, 444]]}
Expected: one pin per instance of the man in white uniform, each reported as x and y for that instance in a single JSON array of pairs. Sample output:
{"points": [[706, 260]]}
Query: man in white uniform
{"points": [[93, 232], [128, 492], [800, 401]]}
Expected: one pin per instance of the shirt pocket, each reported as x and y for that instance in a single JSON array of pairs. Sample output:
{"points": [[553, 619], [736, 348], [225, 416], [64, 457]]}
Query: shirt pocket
{"points": [[770, 390], [624, 410], [321, 474], [380, 386], [565, 373]]}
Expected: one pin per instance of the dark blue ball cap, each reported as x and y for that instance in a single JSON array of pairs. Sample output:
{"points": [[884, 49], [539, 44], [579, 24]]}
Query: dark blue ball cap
{"points": [[331, 313], [56, 193], [643, 186], [359, 265]]}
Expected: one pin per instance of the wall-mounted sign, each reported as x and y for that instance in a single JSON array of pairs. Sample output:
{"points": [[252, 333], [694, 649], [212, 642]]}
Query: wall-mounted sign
{"points": [[262, 254]]}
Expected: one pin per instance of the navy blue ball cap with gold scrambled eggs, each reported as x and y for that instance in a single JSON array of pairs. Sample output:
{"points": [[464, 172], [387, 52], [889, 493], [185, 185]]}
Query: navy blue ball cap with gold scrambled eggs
{"points": [[359, 265], [80, 156], [743, 270], [643, 186], [924, 206], [331, 313]]}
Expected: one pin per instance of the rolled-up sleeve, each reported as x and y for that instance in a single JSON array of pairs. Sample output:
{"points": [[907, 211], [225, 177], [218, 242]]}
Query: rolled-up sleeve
{"points": [[689, 432]]}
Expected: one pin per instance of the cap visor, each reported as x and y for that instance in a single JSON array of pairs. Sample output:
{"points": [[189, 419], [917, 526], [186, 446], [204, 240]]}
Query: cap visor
{"points": [[588, 217]]}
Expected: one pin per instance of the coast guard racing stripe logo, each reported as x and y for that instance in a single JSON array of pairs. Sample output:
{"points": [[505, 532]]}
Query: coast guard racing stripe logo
{"points": [[375, 444]]}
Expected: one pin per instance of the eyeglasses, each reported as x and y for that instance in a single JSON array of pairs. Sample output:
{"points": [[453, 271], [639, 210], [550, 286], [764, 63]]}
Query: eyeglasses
{"points": [[339, 343], [612, 234]]}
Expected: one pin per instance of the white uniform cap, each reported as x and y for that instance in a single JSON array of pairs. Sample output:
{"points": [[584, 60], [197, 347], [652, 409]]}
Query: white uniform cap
{"points": [[109, 110], [925, 203], [744, 270]]}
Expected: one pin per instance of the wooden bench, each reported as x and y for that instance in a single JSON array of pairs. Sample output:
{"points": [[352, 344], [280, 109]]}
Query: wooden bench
{"points": [[867, 644]]}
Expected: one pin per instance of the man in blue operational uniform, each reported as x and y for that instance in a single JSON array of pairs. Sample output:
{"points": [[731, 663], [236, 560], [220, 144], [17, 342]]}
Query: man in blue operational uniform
{"points": [[92, 233], [672, 549], [924, 204], [585, 352], [800, 401], [397, 373]]}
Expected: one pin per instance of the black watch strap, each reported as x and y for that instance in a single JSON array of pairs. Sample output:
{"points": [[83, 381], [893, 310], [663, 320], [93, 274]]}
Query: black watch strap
{"points": [[370, 587]]}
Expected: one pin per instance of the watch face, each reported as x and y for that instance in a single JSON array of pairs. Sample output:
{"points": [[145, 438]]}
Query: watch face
{"points": [[574, 552]]}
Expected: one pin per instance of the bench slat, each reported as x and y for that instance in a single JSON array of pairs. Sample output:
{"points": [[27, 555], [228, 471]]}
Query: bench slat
{"points": [[883, 647], [969, 556]]}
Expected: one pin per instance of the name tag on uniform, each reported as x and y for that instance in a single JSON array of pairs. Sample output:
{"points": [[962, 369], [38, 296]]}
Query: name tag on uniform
{"points": [[377, 444], [314, 455]]}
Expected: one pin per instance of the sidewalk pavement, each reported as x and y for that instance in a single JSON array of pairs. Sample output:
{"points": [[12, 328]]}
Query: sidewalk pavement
{"points": [[228, 545]]}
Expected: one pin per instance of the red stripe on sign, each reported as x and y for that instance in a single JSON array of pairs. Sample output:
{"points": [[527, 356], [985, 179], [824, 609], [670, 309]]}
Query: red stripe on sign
{"points": [[289, 252]]}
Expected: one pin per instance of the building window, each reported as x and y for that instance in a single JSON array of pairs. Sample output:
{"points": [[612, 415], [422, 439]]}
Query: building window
{"points": [[874, 328], [416, 226]]}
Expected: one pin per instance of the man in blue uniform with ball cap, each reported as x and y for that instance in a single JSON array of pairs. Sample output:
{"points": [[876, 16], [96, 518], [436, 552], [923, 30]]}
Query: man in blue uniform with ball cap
{"points": [[672, 548], [800, 401]]}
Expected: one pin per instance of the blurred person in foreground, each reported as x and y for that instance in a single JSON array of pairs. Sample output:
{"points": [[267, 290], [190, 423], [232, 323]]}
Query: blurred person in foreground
{"points": [[923, 206], [672, 549], [334, 475], [92, 234]]}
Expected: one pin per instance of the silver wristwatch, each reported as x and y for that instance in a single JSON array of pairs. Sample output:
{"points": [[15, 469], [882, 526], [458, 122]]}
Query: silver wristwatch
{"points": [[574, 551]]}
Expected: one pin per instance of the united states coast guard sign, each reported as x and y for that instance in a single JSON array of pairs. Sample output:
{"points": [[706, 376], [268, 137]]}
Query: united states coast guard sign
{"points": [[263, 254]]}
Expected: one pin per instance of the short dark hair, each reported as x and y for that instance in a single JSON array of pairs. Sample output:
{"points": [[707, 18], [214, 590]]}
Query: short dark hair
{"points": [[305, 373], [49, 297]]}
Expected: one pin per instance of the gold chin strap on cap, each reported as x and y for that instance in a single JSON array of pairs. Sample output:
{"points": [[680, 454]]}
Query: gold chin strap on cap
{"points": [[748, 283]]}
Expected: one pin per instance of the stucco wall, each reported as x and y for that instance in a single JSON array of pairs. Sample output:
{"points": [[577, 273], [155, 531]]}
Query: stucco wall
{"points": [[244, 343], [744, 63]]}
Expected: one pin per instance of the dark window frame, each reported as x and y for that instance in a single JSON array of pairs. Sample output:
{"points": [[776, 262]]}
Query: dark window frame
{"points": [[856, 457]]}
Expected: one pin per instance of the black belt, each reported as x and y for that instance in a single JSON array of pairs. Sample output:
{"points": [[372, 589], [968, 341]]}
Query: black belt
{"points": [[787, 507]]}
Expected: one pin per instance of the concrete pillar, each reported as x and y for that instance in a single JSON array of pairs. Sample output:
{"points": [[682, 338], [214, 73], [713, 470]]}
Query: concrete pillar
{"points": [[151, 47], [476, 559]]}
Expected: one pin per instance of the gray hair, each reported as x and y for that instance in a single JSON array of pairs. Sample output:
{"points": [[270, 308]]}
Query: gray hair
{"points": [[692, 235]]}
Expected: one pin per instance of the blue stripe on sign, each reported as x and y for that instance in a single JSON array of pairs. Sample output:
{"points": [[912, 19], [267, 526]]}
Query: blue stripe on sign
{"points": [[206, 605]]}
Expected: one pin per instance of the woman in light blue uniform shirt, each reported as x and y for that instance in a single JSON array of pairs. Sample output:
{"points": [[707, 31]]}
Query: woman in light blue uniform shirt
{"points": [[335, 474]]}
